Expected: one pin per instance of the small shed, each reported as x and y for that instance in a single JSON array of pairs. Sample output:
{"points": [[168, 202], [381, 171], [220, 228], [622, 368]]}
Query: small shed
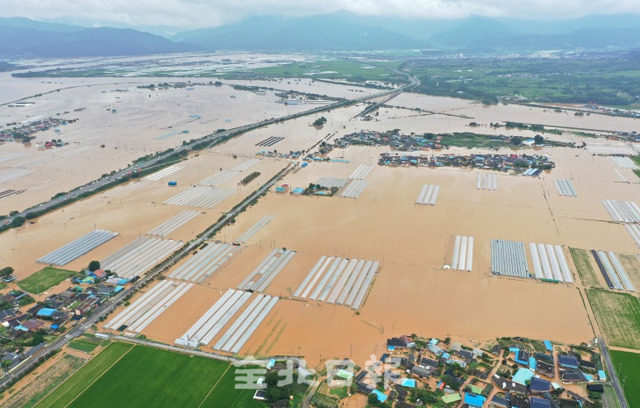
{"points": [[381, 396], [451, 398], [602, 375]]}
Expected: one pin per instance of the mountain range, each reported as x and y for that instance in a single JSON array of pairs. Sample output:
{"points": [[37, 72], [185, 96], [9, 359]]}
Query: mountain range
{"points": [[340, 31], [21, 37]]}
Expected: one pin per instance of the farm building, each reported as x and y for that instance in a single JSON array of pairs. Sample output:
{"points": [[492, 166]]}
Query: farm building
{"points": [[523, 375], [539, 403], [421, 371], [474, 400], [539, 385], [97, 274], [451, 398], [46, 312], [571, 375], [500, 401], [508, 385], [568, 361]]}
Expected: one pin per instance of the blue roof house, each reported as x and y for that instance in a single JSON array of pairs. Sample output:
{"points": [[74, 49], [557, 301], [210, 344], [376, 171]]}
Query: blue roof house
{"points": [[568, 361], [46, 312], [539, 403], [539, 385], [523, 375], [474, 400], [381, 397]]}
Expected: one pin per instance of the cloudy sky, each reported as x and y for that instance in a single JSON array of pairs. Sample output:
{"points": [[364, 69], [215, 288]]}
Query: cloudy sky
{"points": [[202, 13]]}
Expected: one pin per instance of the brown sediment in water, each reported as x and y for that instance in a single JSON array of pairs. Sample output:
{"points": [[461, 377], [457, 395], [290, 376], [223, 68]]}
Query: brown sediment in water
{"points": [[412, 293]]}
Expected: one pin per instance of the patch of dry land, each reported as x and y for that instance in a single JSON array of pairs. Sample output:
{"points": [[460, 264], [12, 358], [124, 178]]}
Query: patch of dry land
{"points": [[412, 291]]}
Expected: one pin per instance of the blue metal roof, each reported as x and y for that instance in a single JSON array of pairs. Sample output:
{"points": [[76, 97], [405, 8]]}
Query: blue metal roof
{"points": [[568, 361], [406, 382], [523, 375], [474, 400], [46, 312], [519, 359], [381, 397], [540, 385], [548, 345], [602, 375], [539, 403]]}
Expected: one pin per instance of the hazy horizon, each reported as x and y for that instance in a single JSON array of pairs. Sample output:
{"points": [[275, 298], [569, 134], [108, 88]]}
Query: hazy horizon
{"points": [[193, 14]]}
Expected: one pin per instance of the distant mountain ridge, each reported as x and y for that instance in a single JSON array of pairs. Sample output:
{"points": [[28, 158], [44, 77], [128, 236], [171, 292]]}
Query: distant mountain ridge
{"points": [[23, 38], [339, 31], [347, 31], [336, 32]]}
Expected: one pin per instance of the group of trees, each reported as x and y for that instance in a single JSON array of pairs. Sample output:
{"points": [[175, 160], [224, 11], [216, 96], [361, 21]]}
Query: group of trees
{"points": [[6, 272], [250, 177], [434, 85], [320, 121], [273, 392]]}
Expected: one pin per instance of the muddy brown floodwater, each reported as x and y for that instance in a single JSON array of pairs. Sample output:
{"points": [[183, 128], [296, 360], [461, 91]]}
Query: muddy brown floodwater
{"points": [[412, 292]]}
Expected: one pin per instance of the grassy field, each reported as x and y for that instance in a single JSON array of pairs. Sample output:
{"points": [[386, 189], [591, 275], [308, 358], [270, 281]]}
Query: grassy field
{"points": [[330, 69], [612, 81], [609, 399], [83, 345], [348, 70], [471, 140], [585, 269], [38, 387], [627, 366], [618, 316], [631, 265], [150, 377], [63, 395], [44, 279]]}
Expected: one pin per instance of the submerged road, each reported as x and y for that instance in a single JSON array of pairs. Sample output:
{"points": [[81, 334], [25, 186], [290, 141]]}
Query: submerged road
{"points": [[612, 373], [96, 185], [110, 305]]}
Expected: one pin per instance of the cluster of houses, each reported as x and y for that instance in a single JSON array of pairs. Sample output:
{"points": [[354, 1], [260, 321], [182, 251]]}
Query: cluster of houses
{"points": [[515, 373], [20, 328], [613, 111], [293, 154], [393, 138], [500, 162], [627, 136], [26, 132], [50, 144]]}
